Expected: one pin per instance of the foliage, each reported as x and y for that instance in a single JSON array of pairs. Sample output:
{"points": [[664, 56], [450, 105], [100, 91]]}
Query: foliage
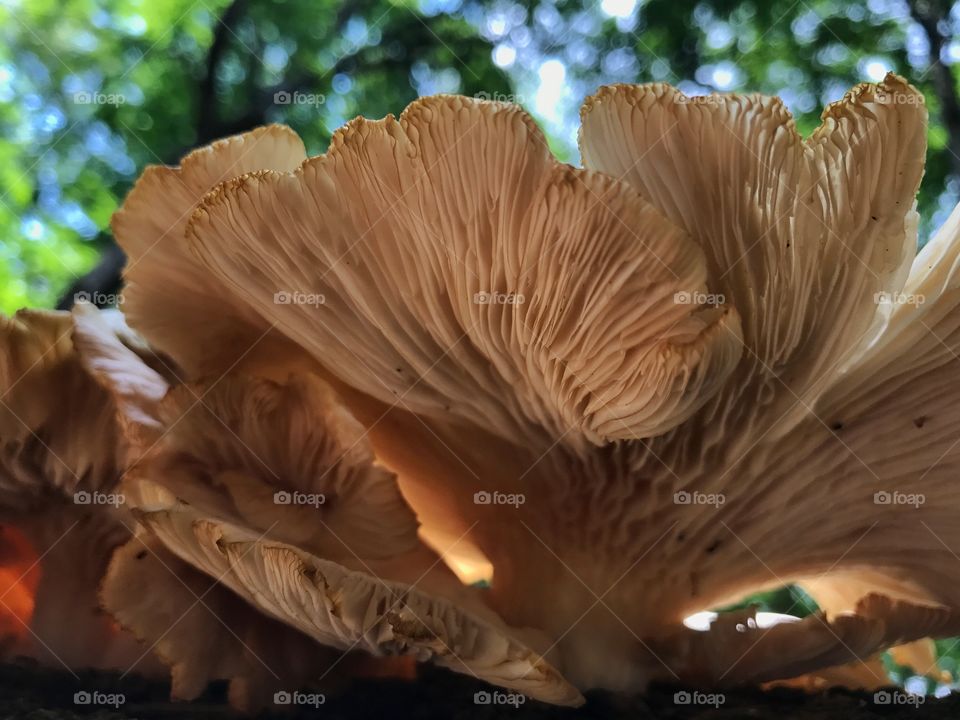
{"points": [[93, 91]]}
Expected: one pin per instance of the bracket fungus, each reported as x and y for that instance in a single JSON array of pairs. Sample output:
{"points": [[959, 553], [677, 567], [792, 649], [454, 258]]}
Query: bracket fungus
{"points": [[706, 363]]}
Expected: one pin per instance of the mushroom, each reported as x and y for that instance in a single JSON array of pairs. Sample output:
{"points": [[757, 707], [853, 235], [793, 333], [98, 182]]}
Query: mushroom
{"points": [[61, 512], [639, 390]]}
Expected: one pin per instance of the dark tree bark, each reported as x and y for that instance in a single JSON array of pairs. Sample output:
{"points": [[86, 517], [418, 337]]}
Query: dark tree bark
{"points": [[207, 118], [98, 284], [932, 15]]}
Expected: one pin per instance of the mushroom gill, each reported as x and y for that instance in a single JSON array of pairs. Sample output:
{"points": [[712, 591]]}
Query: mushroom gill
{"points": [[705, 364]]}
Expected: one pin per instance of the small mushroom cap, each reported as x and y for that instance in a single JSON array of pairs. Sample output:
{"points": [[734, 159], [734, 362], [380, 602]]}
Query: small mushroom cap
{"points": [[349, 609], [271, 489], [61, 458], [56, 425], [165, 285], [204, 631]]}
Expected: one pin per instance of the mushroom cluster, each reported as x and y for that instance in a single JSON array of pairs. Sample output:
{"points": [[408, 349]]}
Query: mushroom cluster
{"points": [[708, 362]]}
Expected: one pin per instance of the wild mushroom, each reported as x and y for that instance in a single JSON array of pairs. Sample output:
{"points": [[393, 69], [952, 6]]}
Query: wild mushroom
{"points": [[61, 512], [635, 388]]}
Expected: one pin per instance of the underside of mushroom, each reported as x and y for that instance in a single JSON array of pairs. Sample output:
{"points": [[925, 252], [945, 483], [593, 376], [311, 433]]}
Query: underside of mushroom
{"points": [[707, 363]]}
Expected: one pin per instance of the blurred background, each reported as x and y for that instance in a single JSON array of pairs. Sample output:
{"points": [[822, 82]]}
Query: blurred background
{"points": [[92, 91]]}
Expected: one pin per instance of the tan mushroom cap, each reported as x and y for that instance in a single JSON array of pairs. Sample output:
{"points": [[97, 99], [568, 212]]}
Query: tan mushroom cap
{"points": [[285, 468], [800, 235], [164, 283], [398, 260], [880, 449], [287, 456], [354, 610], [899, 412], [55, 425], [846, 356], [61, 457], [204, 631], [447, 262]]}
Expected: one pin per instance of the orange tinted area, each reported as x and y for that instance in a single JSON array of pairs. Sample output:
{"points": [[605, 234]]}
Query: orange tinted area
{"points": [[19, 575], [402, 667]]}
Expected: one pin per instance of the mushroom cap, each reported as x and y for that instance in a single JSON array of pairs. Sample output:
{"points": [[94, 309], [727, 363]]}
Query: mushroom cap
{"points": [[350, 610], [699, 311], [61, 457], [204, 631], [163, 283], [271, 489], [465, 272]]}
